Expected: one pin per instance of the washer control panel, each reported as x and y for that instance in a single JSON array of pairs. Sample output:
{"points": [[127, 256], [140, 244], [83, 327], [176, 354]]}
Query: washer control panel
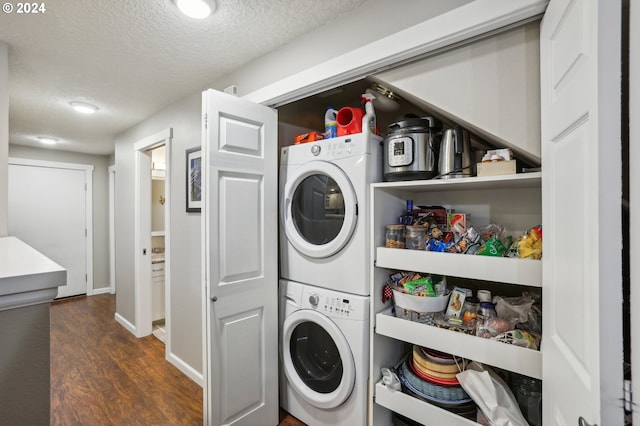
{"points": [[335, 304]]}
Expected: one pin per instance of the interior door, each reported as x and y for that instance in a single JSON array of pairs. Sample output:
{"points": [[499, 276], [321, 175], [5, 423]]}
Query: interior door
{"points": [[142, 262], [47, 210], [581, 186], [240, 222]]}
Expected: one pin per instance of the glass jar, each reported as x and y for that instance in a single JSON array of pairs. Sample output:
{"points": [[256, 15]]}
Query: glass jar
{"points": [[416, 237], [529, 396], [486, 311], [395, 236]]}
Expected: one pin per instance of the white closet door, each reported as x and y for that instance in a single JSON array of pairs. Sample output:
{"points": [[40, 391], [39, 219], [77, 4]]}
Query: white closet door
{"points": [[240, 214], [47, 210], [581, 213]]}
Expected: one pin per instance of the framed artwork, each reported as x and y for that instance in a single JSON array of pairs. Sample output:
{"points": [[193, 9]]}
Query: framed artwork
{"points": [[194, 179]]}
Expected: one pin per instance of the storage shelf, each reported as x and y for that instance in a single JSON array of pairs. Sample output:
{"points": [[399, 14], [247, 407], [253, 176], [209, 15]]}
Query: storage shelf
{"points": [[501, 269], [522, 180], [413, 408], [509, 357]]}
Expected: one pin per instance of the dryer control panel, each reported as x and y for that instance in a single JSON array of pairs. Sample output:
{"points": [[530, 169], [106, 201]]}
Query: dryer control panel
{"points": [[335, 304]]}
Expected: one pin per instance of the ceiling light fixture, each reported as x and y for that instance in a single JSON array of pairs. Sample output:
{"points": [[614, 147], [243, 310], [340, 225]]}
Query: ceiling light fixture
{"points": [[47, 140], [198, 9], [83, 107]]}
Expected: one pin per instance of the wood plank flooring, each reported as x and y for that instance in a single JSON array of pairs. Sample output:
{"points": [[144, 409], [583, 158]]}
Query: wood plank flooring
{"points": [[103, 375]]}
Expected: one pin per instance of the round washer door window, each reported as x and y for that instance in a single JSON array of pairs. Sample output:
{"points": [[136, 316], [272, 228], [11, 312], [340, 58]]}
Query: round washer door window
{"points": [[320, 209], [318, 362]]}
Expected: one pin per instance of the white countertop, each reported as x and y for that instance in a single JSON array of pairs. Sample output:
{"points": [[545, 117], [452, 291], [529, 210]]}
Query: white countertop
{"points": [[27, 276]]}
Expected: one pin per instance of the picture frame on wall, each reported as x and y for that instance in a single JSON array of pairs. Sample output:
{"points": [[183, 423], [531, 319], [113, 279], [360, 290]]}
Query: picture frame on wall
{"points": [[194, 180]]}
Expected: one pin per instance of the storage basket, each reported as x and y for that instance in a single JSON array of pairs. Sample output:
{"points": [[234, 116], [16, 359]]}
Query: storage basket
{"points": [[419, 305]]}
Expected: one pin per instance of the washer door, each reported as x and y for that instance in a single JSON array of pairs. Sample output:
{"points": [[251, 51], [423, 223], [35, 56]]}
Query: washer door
{"points": [[319, 209], [317, 359]]}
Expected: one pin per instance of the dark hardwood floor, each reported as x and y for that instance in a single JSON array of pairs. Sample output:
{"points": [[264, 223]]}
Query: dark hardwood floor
{"points": [[103, 375]]}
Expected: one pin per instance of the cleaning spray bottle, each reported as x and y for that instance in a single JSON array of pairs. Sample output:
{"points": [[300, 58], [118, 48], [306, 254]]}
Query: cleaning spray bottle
{"points": [[330, 123], [370, 114]]}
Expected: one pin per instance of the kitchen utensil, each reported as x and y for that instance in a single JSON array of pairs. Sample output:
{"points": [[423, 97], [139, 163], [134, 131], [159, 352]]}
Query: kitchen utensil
{"points": [[455, 154], [411, 149]]}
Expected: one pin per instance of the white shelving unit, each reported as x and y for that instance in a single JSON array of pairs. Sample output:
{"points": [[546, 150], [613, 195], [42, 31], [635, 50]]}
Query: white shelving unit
{"points": [[511, 201]]}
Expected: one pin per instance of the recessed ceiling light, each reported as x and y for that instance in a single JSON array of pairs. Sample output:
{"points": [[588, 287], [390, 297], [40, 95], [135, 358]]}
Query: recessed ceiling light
{"points": [[47, 140], [84, 107], [198, 9]]}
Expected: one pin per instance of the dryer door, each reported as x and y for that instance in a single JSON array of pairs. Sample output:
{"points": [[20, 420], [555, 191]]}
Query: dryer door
{"points": [[317, 359], [320, 209]]}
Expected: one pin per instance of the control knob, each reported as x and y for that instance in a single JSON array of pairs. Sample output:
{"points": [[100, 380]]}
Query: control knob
{"points": [[314, 299]]}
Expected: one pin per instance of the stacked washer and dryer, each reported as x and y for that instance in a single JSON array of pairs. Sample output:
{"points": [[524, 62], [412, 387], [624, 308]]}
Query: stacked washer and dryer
{"points": [[324, 287]]}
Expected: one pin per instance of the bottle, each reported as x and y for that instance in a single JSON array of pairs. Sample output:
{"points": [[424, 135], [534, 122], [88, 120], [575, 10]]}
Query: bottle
{"points": [[529, 396], [370, 115], [330, 123]]}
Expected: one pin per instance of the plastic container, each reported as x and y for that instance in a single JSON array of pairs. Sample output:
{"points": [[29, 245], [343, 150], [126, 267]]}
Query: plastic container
{"points": [[416, 237], [395, 236], [420, 304], [349, 120], [330, 123], [370, 114], [470, 312], [529, 396], [484, 296]]}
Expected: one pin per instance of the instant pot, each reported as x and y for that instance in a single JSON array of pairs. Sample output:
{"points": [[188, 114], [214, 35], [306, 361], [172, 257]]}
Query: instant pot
{"points": [[411, 149]]}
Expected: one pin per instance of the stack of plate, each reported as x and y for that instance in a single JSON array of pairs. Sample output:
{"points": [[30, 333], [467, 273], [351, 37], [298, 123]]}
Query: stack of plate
{"points": [[431, 376]]}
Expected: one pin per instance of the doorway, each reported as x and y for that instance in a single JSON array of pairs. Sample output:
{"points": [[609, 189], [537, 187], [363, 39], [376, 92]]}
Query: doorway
{"points": [[51, 209], [146, 238]]}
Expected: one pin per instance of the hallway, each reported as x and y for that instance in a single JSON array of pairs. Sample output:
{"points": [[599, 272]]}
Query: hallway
{"points": [[103, 375]]}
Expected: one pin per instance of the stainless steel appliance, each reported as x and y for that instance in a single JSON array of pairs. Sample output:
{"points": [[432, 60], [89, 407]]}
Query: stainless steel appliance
{"points": [[455, 154], [411, 149]]}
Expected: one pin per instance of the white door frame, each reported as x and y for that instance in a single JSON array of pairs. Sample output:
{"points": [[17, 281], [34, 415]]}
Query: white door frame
{"points": [[142, 286], [112, 229], [634, 197], [88, 173]]}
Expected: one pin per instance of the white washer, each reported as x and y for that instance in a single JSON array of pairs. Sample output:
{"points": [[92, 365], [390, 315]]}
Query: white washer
{"points": [[324, 355], [325, 209]]}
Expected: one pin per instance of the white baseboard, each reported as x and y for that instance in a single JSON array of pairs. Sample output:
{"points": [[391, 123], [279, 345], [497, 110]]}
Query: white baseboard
{"points": [[186, 369], [102, 290], [126, 324]]}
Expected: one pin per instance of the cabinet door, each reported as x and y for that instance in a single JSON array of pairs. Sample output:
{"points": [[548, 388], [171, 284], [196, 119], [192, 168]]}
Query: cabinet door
{"points": [[581, 194], [240, 222]]}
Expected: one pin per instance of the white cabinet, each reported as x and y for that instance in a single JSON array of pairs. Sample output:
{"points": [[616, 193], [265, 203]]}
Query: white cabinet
{"points": [[157, 291], [511, 201]]}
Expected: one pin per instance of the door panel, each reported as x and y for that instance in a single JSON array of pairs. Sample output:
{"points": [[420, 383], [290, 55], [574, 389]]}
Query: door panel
{"points": [[581, 187], [47, 210], [240, 261]]}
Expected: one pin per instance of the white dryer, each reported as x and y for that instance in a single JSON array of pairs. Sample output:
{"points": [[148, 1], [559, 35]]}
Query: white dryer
{"points": [[325, 210], [324, 355]]}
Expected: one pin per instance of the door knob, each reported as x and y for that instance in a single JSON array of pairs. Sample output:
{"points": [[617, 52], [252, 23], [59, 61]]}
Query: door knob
{"points": [[583, 422], [214, 298]]}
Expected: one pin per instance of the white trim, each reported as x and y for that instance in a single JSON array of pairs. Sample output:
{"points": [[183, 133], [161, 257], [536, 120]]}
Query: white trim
{"points": [[186, 369], [126, 324], [153, 141], [103, 290], [454, 27], [88, 176], [142, 296], [634, 196], [112, 229]]}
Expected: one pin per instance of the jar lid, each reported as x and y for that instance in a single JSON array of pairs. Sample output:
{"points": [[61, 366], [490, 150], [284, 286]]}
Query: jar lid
{"points": [[395, 227], [484, 295]]}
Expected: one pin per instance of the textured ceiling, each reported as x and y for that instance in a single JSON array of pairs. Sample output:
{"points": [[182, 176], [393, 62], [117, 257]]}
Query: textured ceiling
{"points": [[132, 58]]}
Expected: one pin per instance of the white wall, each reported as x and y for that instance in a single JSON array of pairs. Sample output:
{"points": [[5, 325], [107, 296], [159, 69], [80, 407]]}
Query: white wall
{"points": [[185, 300], [4, 137], [375, 19], [101, 165], [372, 21]]}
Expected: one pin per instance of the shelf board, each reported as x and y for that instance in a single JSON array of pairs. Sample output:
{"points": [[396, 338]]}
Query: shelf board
{"points": [[500, 269], [413, 408], [521, 180], [157, 233], [502, 355]]}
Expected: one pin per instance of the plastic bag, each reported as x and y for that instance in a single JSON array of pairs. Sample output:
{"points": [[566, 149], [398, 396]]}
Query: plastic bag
{"points": [[492, 395], [520, 310]]}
